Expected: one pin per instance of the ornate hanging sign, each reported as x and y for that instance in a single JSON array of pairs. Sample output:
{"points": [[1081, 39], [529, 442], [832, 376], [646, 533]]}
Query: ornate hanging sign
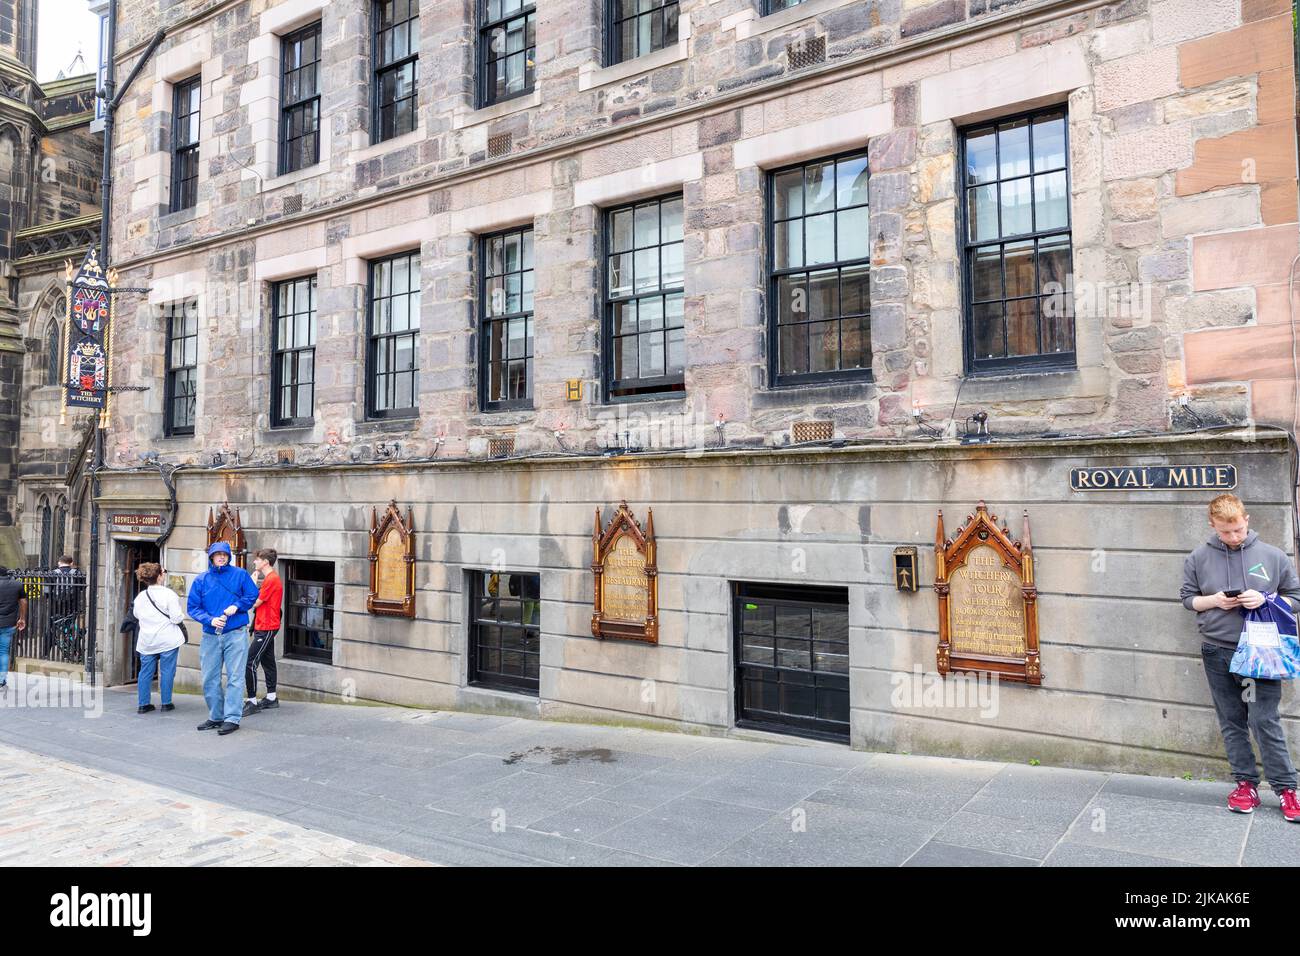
{"points": [[988, 603], [227, 527], [392, 563], [626, 578], [88, 333]]}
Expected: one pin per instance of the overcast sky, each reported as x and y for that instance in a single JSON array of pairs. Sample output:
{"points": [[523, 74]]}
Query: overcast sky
{"points": [[65, 27]]}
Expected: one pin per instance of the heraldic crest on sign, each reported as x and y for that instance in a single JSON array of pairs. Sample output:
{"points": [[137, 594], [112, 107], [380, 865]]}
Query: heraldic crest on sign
{"points": [[87, 335], [626, 601], [392, 562], [988, 602]]}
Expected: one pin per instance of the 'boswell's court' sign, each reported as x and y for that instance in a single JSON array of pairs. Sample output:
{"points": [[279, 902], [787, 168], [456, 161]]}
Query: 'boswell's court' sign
{"points": [[1161, 478]]}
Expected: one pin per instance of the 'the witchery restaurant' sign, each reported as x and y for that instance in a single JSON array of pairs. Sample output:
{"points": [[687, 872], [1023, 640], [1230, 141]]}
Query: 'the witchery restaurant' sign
{"points": [[988, 604], [626, 577], [1162, 478], [87, 334]]}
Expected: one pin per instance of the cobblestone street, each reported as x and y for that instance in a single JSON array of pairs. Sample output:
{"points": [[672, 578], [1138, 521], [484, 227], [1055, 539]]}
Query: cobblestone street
{"points": [[58, 814], [325, 784]]}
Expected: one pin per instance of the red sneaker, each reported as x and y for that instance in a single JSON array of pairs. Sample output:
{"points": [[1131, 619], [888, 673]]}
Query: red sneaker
{"points": [[1290, 806], [1246, 798]]}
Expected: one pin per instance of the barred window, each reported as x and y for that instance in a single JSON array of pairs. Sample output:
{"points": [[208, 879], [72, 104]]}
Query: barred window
{"points": [[638, 27], [507, 49], [185, 144], [397, 67], [507, 310], [394, 336], [293, 351], [645, 325], [180, 390], [1017, 244], [300, 99], [821, 271]]}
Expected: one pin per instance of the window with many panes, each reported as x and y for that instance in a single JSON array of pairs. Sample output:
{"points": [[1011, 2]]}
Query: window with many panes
{"points": [[821, 271], [394, 336], [181, 388], [397, 66], [638, 27], [185, 144], [644, 323], [507, 49], [293, 351], [1016, 193], [300, 99], [309, 610], [505, 630], [507, 328]]}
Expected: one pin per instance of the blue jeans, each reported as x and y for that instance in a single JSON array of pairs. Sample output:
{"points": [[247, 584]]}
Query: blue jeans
{"points": [[166, 677], [231, 649], [6, 638]]}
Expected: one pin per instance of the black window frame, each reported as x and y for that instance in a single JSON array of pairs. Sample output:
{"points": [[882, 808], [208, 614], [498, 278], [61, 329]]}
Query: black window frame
{"points": [[287, 108], [774, 276], [296, 643], [1041, 361], [185, 154], [487, 321], [172, 428], [823, 680], [659, 387], [278, 418], [486, 88], [376, 340], [777, 6], [384, 68], [614, 51], [499, 679]]}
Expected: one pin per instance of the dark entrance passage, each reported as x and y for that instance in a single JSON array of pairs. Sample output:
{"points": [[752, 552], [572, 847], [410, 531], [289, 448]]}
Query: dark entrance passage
{"points": [[792, 659], [132, 556]]}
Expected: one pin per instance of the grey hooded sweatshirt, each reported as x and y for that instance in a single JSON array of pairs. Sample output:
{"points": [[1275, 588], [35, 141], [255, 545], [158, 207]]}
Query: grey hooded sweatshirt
{"points": [[1214, 567]]}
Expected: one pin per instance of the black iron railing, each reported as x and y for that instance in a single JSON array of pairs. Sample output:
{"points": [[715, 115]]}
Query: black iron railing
{"points": [[56, 616]]}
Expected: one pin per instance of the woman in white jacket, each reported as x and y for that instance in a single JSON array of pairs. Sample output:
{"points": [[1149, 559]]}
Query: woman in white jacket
{"points": [[162, 632]]}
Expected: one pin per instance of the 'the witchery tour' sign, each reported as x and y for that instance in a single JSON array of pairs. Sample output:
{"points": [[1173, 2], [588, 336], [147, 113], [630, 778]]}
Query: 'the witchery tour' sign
{"points": [[988, 604], [626, 576]]}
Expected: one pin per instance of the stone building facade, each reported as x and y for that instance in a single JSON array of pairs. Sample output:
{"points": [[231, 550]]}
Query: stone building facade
{"points": [[844, 227], [49, 212]]}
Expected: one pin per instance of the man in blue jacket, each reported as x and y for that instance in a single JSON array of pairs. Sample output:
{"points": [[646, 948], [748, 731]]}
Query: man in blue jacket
{"points": [[219, 600]]}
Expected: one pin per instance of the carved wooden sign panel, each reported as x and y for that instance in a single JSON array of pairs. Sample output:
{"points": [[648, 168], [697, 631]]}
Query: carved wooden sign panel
{"points": [[227, 527], [988, 603], [626, 578], [392, 563]]}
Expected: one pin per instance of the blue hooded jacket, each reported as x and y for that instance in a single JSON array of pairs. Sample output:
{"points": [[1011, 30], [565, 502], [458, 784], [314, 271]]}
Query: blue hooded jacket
{"points": [[217, 589]]}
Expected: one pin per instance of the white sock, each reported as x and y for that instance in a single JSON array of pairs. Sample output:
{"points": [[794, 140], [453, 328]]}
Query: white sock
{"points": [[251, 700], [270, 697]]}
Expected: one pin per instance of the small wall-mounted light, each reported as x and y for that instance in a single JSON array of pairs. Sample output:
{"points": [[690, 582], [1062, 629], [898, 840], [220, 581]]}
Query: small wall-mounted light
{"points": [[905, 569]]}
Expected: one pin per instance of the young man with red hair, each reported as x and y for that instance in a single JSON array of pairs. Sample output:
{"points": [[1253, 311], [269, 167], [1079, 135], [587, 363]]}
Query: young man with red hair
{"points": [[1231, 571]]}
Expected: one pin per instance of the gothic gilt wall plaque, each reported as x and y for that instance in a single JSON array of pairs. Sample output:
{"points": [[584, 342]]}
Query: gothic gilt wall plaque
{"points": [[392, 563], [988, 603], [626, 578], [227, 527]]}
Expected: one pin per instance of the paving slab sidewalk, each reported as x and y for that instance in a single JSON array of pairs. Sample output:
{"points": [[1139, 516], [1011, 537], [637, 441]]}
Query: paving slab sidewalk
{"points": [[389, 785]]}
